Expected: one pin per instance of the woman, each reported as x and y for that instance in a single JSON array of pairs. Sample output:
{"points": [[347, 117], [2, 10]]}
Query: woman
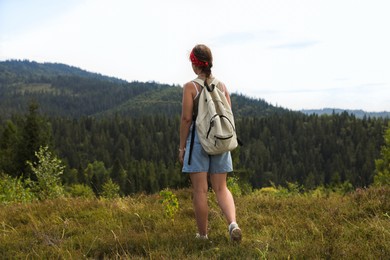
{"points": [[202, 164]]}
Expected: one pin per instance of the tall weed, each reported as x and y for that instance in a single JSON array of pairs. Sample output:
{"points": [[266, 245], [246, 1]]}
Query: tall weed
{"points": [[170, 203]]}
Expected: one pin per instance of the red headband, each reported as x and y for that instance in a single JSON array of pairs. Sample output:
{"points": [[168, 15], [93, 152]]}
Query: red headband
{"points": [[197, 62]]}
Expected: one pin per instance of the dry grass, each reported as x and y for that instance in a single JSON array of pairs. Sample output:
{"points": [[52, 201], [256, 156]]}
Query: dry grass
{"points": [[355, 226]]}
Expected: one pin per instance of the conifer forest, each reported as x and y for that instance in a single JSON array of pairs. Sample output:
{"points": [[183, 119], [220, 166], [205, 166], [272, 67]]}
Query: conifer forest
{"points": [[104, 128]]}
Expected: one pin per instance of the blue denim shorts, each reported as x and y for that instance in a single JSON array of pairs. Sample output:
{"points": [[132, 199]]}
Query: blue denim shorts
{"points": [[203, 162]]}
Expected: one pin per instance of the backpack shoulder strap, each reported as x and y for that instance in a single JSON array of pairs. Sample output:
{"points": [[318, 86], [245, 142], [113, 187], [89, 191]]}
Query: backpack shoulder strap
{"points": [[201, 83], [215, 82]]}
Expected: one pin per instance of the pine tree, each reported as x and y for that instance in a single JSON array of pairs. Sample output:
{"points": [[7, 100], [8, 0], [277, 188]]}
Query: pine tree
{"points": [[382, 164], [35, 133], [8, 148]]}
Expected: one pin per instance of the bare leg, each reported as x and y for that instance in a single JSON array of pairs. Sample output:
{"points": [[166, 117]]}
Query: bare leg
{"points": [[224, 196], [200, 187]]}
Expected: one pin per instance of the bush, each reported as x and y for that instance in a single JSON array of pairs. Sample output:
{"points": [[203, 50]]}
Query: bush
{"points": [[234, 187], [344, 188], [110, 190], [268, 190], [14, 190], [382, 178], [320, 192], [81, 190]]}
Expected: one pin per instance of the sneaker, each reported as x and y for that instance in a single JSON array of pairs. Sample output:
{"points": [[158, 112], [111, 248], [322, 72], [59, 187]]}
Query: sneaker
{"points": [[200, 237], [235, 232]]}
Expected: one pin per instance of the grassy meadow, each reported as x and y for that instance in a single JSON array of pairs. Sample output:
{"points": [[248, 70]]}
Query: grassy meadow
{"points": [[315, 225]]}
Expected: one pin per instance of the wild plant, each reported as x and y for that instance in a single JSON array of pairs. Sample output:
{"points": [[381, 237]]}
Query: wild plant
{"points": [[170, 203]]}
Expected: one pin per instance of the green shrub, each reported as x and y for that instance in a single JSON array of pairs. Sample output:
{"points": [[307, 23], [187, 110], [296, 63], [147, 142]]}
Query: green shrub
{"points": [[344, 188], [268, 190], [81, 190], [382, 178], [110, 190], [295, 188], [320, 192], [14, 190], [234, 187]]}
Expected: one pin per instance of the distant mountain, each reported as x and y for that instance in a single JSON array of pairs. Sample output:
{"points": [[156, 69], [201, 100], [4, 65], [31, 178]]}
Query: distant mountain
{"points": [[63, 90], [13, 71], [357, 112]]}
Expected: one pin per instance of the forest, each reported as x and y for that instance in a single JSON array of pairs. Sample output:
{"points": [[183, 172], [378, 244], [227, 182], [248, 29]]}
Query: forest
{"points": [[103, 129]]}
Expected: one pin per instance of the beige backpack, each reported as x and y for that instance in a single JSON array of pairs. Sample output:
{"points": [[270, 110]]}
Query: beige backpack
{"points": [[215, 122]]}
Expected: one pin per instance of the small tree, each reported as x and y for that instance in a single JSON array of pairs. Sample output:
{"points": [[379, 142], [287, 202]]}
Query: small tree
{"points": [[382, 164], [48, 170], [110, 190]]}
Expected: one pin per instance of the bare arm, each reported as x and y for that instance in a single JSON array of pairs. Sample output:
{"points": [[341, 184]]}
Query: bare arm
{"points": [[227, 95], [186, 117]]}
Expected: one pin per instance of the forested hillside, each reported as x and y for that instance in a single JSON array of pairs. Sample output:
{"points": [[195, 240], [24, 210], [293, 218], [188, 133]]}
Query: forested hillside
{"points": [[356, 112], [67, 91], [62, 90], [104, 128]]}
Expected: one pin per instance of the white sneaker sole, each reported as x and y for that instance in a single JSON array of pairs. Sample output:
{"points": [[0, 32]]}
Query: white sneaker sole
{"points": [[236, 235]]}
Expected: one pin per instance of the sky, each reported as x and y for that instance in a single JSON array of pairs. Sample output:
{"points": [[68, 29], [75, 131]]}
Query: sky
{"points": [[296, 54]]}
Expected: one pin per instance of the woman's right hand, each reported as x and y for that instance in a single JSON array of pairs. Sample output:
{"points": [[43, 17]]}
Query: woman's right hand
{"points": [[181, 155]]}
